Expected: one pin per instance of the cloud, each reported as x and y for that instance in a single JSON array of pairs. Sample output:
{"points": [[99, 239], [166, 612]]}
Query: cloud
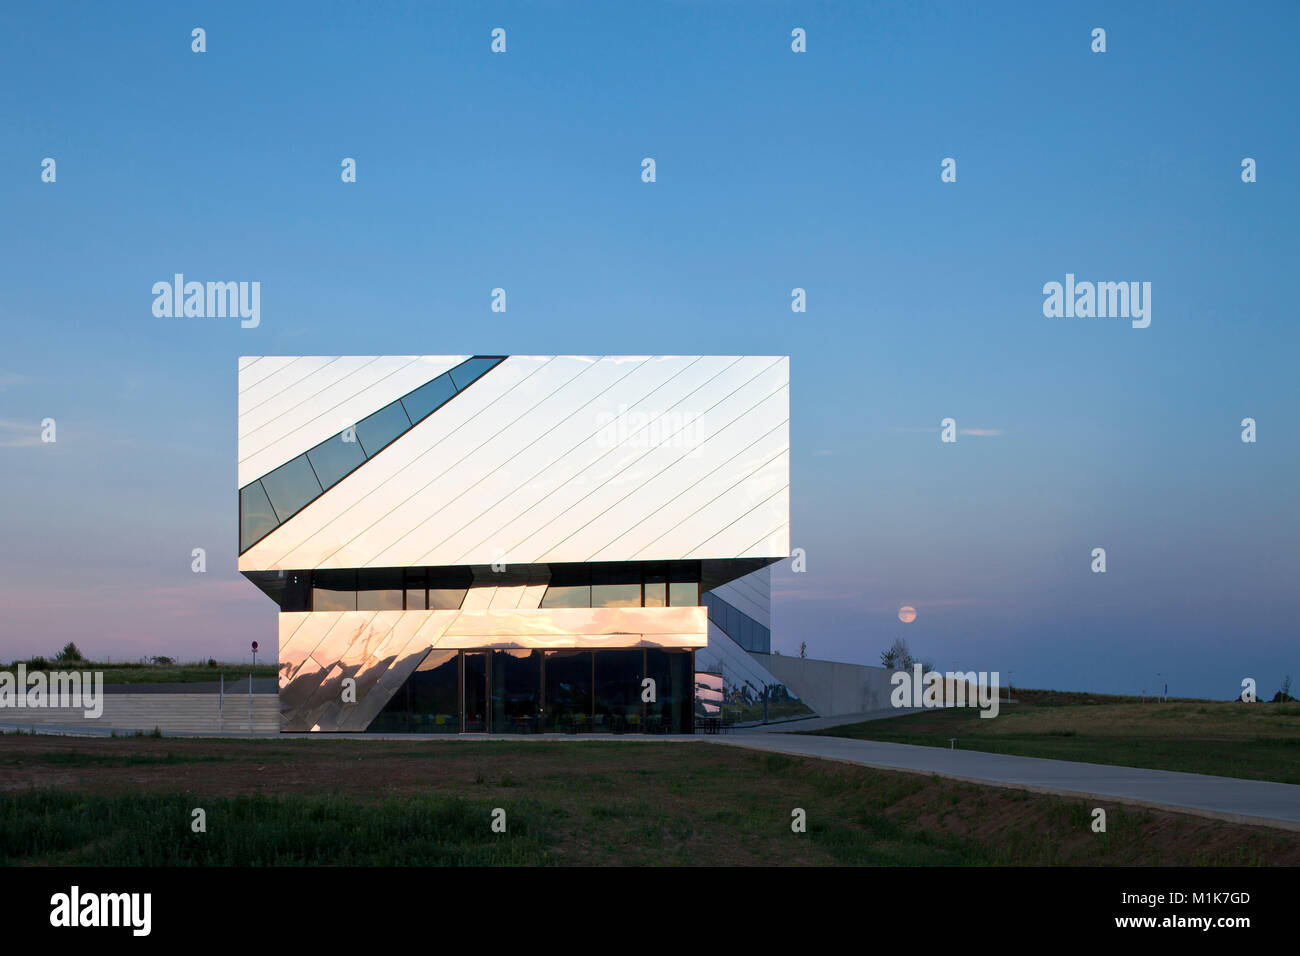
{"points": [[19, 434], [875, 605], [202, 596], [15, 379], [973, 432]]}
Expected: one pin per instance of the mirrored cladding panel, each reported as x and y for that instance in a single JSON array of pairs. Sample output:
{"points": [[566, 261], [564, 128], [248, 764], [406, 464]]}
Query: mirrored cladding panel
{"points": [[277, 496], [569, 669], [525, 544]]}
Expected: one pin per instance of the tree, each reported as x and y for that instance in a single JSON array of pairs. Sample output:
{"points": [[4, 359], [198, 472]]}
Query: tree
{"points": [[898, 657], [70, 653]]}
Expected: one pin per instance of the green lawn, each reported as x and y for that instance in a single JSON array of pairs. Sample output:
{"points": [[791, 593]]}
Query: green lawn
{"points": [[1259, 741], [129, 801]]}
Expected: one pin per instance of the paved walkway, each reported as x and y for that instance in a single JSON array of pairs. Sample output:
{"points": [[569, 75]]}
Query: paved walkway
{"points": [[1224, 798]]}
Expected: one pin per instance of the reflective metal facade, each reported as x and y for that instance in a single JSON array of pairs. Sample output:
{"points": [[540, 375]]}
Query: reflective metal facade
{"points": [[544, 460], [380, 649]]}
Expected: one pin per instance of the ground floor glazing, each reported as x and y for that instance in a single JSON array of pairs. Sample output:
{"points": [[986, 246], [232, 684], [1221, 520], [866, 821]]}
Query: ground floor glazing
{"points": [[532, 691]]}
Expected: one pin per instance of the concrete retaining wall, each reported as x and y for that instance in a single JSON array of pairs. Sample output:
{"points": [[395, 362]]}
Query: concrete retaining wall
{"points": [[829, 687], [170, 713]]}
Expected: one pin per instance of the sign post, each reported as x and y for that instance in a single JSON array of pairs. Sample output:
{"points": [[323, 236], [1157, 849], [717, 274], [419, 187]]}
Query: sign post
{"points": [[250, 689]]}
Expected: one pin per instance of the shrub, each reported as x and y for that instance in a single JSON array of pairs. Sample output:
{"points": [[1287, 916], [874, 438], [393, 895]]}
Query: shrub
{"points": [[1283, 696]]}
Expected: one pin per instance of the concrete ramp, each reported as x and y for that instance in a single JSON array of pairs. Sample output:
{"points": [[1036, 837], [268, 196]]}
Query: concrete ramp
{"points": [[830, 688]]}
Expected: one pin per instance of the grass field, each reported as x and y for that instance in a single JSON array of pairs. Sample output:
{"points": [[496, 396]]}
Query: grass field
{"points": [[76, 801], [1259, 741], [135, 672]]}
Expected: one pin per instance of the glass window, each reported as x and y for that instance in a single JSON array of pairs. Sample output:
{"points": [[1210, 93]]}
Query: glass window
{"points": [[334, 458], [338, 580], [328, 599], [615, 587], [414, 585], [684, 586], [447, 587], [385, 599], [256, 519], [474, 667], [429, 701], [570, 586], [453, 578], [709, 692], [516, 691], [291, 486], [379, 589], [469, 370], [674, 677], [683, 594], [446, 599], [568, 690], [578, 595], [428, 397], [618, 691], [377, 430], [379, 578], [334, 591], [656, 590]]}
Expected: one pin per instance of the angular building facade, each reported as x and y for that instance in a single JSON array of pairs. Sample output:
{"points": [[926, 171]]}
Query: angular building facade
{"points": [[500, 544]]}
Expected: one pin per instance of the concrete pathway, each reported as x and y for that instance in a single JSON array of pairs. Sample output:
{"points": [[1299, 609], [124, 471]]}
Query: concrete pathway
{"points": [[1224, 798]]}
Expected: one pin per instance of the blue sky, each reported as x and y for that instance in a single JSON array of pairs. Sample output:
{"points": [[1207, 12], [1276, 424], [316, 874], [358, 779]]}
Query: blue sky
{"points": [[775, 170]]}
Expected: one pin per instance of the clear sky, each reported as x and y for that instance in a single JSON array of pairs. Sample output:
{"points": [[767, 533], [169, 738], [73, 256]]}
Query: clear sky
{"points": [[775, 170]]}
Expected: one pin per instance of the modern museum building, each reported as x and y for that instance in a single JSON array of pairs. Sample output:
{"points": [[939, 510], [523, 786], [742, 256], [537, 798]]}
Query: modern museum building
{"points": [[510, 544]]}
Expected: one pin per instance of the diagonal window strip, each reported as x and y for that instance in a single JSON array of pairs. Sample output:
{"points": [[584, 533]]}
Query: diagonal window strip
{"points": [[737, 625], [273, 499]]}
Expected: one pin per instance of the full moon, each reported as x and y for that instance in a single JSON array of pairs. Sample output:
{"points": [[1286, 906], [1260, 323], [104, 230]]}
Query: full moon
{"points": [[907, 614]]}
